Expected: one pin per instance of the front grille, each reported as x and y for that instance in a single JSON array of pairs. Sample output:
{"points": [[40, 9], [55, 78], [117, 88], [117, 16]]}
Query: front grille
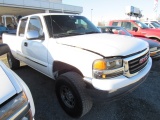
{"points": [[135, 65]]}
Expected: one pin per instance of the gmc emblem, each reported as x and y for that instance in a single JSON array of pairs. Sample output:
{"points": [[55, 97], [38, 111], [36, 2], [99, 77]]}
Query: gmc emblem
{"points": [[144, 59]]}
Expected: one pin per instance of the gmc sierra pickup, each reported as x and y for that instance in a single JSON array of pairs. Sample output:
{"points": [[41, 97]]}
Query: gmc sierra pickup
{"points": [[86, 64]]}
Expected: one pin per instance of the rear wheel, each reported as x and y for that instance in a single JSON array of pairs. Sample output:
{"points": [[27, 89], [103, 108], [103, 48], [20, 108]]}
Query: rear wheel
{"points": [[13, 63], [70, 91]]}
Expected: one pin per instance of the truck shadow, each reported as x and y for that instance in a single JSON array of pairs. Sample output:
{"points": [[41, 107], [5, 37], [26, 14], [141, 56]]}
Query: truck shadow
{"points": [[42, 89]]}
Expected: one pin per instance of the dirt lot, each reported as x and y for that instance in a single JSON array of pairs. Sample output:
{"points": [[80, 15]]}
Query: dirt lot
{"points": [[141, 104]]}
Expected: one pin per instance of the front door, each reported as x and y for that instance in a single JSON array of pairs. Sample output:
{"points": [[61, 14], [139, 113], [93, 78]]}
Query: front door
{"points": [[35, 51]]}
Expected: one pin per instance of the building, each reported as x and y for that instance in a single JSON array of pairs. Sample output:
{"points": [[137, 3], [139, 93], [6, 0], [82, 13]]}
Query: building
{"points": [[26, 7]]}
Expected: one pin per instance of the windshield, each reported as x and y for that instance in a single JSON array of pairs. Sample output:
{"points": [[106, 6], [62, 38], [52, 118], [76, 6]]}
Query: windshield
{"points": [[156, 22], [155, 25], [142, 25], [69, 25]]}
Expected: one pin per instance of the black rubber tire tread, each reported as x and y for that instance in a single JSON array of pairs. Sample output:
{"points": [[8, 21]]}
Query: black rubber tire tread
{"points": [[78, 86], [15, 63]]}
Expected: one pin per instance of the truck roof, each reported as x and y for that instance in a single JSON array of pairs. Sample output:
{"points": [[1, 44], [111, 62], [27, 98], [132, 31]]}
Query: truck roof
{"points": [[122, 20], [45, 14]]}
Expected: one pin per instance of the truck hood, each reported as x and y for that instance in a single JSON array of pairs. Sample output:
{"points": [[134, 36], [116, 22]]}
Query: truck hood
{"points": [[105, 44], [7, 87]]}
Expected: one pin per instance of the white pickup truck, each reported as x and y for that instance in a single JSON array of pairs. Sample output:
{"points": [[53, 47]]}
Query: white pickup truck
{"points": [[86, 64], [16, 102]]}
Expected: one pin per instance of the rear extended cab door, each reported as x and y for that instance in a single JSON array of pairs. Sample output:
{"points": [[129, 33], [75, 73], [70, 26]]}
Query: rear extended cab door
{"points": [[34, 51]]}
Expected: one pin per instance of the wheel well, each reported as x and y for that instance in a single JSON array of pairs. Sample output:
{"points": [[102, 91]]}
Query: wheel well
{"points": [[154, 38], [62, 68]]}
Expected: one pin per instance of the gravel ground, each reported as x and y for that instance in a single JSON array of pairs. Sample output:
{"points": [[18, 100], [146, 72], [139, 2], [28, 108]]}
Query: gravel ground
{"points": [[141, 104]]}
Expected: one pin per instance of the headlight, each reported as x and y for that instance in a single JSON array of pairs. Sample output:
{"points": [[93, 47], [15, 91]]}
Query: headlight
{"points": [[16, 108], [153, 51], [106, 68]]}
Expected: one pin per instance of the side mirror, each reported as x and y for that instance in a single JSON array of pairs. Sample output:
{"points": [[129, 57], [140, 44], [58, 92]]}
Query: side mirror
{"points": [[33, 34], [135, 29], [4, 48]]}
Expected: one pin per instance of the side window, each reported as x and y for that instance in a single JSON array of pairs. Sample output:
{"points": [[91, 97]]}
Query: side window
{"points": [[115, 24], [35, 24], [22, 27], [126, 25]]}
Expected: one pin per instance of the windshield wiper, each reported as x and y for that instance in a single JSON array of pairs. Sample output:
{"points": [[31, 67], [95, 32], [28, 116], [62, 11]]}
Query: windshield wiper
{"points": [[91, 32], [67, 34], [75, 33]]}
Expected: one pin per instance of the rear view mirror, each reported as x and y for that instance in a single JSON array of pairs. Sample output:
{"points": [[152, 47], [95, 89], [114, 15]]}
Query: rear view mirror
{"points": [[33, 34], [4, 48], [135, 29]]}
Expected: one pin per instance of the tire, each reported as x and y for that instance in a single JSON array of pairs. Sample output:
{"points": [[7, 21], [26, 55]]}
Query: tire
{"points": [[70, 91], [13, 63]]}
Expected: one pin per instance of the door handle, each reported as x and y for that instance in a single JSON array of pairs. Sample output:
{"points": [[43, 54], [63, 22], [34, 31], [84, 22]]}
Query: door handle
{"points": [[25, 44]]}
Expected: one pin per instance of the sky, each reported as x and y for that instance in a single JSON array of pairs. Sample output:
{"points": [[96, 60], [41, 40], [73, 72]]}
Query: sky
{"points": [[105, 10]]}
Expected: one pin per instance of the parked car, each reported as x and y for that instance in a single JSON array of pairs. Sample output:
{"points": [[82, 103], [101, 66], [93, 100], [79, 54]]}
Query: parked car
{"points": [[4, 29], [153, 44], [151, 24], [16, 102], [137, 28]]}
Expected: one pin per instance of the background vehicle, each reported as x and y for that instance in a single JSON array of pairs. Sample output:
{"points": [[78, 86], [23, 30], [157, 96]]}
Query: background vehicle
{"points": [[9, 21], [153, 44], [8, 24], [16, 102], [3, 30], [152, 24], [85, 63], [137, 28]]}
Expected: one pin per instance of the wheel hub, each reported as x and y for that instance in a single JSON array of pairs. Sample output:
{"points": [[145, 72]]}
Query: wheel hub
{"points": [[67, 96]]}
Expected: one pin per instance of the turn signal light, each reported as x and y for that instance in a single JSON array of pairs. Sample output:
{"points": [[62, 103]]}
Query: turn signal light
{"points": [[152, 53], [99, 65]]}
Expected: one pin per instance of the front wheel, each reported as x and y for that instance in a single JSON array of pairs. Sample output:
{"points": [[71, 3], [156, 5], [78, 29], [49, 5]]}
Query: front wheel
{"points": [[13, 63], [70, 91]]}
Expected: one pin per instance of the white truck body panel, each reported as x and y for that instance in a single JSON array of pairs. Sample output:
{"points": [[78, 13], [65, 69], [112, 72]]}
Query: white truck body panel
{"points": [[5, 92], [117, 45]]}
